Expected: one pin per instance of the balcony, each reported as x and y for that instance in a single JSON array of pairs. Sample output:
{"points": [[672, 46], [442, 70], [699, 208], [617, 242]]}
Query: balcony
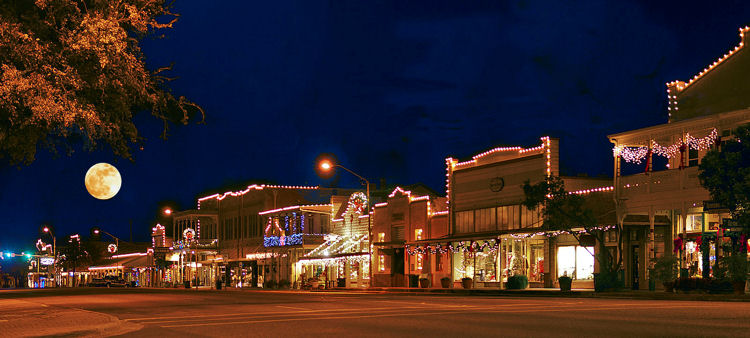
{"points": [[662, 187]]}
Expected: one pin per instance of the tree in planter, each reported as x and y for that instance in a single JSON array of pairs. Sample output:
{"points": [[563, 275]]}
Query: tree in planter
{"points": [[73, 255], [564, 211], [725, 173]]}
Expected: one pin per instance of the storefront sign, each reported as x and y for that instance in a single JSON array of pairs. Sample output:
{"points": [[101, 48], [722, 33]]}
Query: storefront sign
{"points": [[713, 206], [46, 261]]}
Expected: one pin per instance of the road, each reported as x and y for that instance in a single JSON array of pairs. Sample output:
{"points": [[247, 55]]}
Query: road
{"points": [[210, 313]]}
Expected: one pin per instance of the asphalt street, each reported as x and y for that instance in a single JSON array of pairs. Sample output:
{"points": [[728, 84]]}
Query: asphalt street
{"points": [[211, 313]]}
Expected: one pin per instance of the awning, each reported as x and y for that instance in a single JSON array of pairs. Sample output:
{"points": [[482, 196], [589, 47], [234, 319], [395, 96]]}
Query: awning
{"points": [[130, 262], [337, 246]]}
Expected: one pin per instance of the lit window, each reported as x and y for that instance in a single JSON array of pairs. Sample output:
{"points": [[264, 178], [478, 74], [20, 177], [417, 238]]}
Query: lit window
{"points": [[419, 261], [418, 234], [381, 237], [381, 263]]}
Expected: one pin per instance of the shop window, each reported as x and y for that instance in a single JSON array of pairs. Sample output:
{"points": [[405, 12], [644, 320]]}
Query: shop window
{"points": [[419, 261], [694, 223], [465, 221], [381, 263], [381, 237], [576, 262], [418, 235], [692, 157]]}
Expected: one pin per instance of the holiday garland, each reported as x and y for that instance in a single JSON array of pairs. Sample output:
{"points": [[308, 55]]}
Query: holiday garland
{"points": [[492, 245], [637, 154]]}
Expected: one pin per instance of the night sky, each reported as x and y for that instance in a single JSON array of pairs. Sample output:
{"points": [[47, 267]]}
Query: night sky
{"points": [[391, 89]]}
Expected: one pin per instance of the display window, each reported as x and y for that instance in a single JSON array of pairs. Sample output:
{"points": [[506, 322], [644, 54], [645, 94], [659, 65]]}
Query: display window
{"points": [[576, 262], [481, 265]]}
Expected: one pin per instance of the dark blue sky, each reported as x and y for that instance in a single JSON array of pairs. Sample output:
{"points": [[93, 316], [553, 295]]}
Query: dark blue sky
{"points": [[390, 88]]}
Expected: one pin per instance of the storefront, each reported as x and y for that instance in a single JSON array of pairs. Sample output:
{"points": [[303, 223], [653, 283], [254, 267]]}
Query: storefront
{"points": [[341, 261]]}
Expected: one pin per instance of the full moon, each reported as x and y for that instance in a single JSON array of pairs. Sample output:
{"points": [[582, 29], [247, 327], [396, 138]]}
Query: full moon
{"points": [[103, 181]]}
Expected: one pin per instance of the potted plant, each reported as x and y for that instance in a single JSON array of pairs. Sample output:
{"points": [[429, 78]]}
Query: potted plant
{"points": [[736, 266], [565, 282], [445, 282], [517, 282], [424, 283], [665, 270], [467, 282]]}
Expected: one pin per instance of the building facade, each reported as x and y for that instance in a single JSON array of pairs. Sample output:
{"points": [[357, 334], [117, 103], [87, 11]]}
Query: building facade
{"points": [[662, 206], [493, 237]]}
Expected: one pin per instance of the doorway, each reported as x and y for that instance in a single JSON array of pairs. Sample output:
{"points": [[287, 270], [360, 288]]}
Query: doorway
{"points": [[636, 267]]}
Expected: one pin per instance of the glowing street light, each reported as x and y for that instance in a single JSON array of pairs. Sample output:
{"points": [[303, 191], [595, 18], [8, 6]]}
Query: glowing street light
{"points": [[167, 211], [326, 166]]}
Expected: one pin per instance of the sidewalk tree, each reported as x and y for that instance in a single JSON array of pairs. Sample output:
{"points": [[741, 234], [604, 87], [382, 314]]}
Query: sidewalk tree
{"points": [[571, 213], [725, 173], [73, 73]]}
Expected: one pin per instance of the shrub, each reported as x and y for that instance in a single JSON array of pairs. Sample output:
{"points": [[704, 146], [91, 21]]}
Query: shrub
{"points": [[517, 282], [271, 284], [665, 268], [284, 284]]}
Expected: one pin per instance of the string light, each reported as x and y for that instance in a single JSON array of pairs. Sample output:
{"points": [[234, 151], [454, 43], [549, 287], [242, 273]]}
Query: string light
{"points": [[637, 154], [679, 85], [588, 191], [254, 187]]}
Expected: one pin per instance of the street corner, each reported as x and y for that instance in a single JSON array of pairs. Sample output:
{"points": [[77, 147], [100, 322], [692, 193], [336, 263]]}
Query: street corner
{"points": [[19, 318]]}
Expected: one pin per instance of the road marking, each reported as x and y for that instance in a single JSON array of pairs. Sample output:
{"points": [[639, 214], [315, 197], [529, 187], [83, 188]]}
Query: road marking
{"points": [[286, 314], [427, 313], [293, 308], [276, 312]]}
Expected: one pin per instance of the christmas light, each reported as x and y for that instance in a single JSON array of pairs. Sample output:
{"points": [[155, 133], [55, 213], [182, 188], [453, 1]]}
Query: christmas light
{"points": [[682, 86], [135, 254], [587, 191], [220, 197], [637, 154]]}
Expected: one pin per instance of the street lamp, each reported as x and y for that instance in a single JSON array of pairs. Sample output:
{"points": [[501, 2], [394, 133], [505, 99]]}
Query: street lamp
{"points": [[327, 165]]}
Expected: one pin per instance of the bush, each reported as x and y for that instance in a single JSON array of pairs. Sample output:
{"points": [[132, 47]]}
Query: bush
{"points": [[710, 285], [665, 268], [284, 284], [517, 282], [605, 281], [271, 284]]}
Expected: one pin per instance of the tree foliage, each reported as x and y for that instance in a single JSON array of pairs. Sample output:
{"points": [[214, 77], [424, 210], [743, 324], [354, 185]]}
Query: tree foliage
{"points": [[725, 173], [568, 212], [73, 72]]}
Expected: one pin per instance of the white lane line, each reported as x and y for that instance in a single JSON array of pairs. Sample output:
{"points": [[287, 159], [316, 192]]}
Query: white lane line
{"points": [[275, 312], [423, 313], [293, 308], [294, 314]]}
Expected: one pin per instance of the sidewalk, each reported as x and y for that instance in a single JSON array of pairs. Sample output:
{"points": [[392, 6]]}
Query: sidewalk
{"points": [[21, 318]]}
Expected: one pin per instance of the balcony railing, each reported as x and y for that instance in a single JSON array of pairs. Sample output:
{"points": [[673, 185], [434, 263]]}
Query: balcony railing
{"points": [[672, 180]]}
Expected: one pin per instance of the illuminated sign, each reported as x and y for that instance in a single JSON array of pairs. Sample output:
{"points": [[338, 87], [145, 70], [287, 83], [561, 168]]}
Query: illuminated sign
{"points": [[46, 261]]}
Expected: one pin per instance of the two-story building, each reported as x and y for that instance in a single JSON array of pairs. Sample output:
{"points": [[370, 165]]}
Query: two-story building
{"points": [[407, 219], [493, 236], [673, 211]]}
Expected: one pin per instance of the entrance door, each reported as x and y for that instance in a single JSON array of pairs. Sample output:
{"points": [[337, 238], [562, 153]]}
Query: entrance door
{"points": [[397, 267], [636, 267]]}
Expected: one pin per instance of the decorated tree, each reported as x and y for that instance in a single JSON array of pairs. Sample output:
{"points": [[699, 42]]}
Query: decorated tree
{"points": [[72, 73], [582, 216]]}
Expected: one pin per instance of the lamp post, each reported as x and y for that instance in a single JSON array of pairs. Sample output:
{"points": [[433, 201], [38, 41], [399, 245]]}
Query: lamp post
{"points": [[327, 165], [49, 231]]}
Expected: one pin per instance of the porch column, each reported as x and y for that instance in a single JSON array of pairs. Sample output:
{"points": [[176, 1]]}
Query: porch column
{"points": [[651, 253]]}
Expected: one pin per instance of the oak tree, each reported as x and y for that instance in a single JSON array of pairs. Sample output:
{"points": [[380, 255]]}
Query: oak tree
{"points": [[72, 72]]}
